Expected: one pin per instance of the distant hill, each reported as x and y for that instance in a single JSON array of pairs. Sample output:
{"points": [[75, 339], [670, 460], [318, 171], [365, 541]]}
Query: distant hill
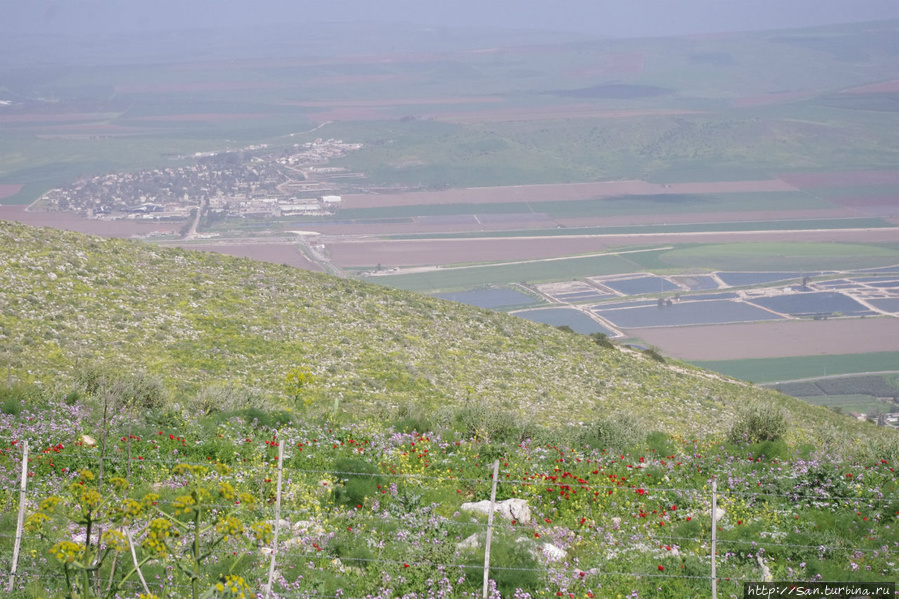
{"points": [[202, 320]]}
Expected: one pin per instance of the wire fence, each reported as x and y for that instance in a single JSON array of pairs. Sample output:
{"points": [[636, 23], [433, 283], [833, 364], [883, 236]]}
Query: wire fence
{"points": [[620, 538]]}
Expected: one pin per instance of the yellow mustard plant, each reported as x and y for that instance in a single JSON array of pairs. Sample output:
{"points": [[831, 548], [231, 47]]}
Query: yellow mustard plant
{"points": [[115, 540], [229, 527], [232, 586], [158, 532], [226, 491], [262, 532], [67, 551], [184, 504]]}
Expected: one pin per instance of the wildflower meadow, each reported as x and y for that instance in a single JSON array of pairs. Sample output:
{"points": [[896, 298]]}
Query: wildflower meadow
{"points": [[188, 505]]}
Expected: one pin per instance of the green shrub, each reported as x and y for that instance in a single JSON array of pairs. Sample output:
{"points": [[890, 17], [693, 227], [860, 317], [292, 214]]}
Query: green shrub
{"points": [[14, 397], [267, 419], [759, 422], [411, 417], [618, 432], [360, 480], [124, 390], [654, 354], [229, 398], [771, 450], [513, 566], [602, 340], [478, 419], [660, 443]]}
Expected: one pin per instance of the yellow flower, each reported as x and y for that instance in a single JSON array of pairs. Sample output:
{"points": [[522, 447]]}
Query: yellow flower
{"points": [[262, 532], [184, 504], [67, 551], [49, 504], [159, 530], [118, 483], [36, 521], [115, 539], [226, 491], [130, 509], [229, 527]]}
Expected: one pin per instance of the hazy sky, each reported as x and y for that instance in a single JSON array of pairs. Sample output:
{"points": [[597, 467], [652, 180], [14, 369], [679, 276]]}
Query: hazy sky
{"points": [[626, 18]]}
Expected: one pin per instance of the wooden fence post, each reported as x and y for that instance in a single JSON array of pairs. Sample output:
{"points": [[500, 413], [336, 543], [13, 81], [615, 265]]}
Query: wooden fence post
{"points": [[490, 528], [21, 520], [714, 537], [271, 567]]}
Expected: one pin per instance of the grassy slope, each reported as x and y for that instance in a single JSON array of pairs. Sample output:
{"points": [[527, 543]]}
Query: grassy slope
{"points": [[201, 319]]}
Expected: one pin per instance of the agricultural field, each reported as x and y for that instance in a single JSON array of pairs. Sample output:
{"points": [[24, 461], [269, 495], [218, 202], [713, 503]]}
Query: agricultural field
{"points": [[661, 207], [576, 320], [683, 165], [769, 370]]}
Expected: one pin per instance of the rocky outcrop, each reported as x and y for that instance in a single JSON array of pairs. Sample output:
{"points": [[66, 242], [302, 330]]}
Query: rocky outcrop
{"points": [[510, 509]]}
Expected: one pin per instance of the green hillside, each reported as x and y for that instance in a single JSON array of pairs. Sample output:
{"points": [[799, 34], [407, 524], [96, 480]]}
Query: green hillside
{"points": [[201, 320]]}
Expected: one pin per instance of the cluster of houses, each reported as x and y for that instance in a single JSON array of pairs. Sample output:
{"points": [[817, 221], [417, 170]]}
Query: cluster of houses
{"points": [[279, 207], [245, 183]]}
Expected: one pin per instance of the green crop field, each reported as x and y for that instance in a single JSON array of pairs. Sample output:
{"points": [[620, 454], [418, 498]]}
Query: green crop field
{"points": [[769, 370], [614, 206], [775, 225], [773, 256], [864, 404], [476, 276]]}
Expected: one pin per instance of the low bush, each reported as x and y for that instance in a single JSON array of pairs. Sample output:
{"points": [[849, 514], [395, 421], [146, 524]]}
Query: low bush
{"points": [[617, 432], [411, 417], [360, 480], [229, 398], [481, 420], [602, 340], [759, 422], [16, 396]]}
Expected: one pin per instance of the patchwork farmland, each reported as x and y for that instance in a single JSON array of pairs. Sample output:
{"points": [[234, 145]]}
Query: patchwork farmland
{"points": [[580, 196]]}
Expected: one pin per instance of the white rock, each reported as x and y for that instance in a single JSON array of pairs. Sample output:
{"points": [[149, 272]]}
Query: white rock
{"points": [[304, 526], [766, 572], [469, 543], [552, 552], [510, 509]]}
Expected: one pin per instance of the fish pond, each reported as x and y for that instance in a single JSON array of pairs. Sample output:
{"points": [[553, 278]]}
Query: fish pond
{"points": [[823, 302], [557, 317], [742, 279], [641, 285], [686, 313]]}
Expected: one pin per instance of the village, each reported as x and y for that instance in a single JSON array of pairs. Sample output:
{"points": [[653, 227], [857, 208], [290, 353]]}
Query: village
{"points": [[251, 182]]}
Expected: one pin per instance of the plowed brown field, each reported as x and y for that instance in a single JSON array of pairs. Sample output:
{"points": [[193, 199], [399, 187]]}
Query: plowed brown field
{"points": [[560, 191], [776, 339], [9, 190], [841, 179], [275, 253]]}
